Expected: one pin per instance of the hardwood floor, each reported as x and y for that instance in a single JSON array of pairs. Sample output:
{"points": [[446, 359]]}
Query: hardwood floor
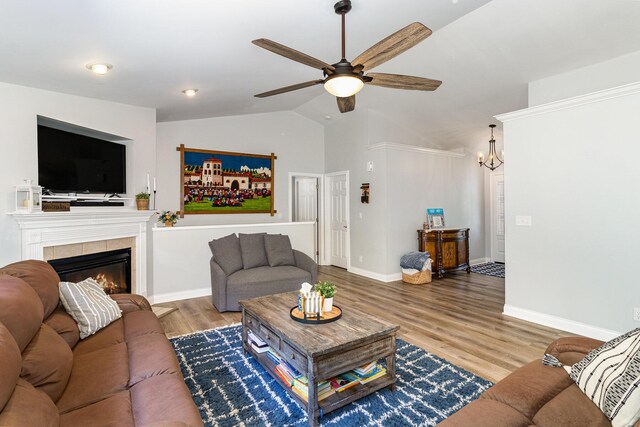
{"points": [[458, 318]]}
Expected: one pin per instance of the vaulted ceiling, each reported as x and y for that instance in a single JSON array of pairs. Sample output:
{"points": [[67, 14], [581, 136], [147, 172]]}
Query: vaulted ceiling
{"points": [[484, 51]]}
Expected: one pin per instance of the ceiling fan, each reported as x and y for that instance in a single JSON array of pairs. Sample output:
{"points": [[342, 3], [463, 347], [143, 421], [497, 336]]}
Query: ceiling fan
{"points": [[344, 79]]}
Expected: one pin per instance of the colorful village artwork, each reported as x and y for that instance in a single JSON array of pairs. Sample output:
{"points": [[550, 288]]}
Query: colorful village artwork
{"points": [[220, 182]]}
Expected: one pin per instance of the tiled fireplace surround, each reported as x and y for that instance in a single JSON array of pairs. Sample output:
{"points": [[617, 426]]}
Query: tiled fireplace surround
{"points": [[55, 235]]}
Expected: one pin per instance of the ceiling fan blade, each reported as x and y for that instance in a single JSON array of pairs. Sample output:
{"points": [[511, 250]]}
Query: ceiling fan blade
{"points": [[346, 104], [392, 46], [398, 81], [292, 54], [289, 88]]}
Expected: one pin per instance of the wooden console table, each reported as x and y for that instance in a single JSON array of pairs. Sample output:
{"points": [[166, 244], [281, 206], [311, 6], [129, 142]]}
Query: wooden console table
{"points": [[449, 249]]}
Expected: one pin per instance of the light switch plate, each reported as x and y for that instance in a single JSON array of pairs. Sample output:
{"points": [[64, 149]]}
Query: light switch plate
{"points": [[523, 220]]}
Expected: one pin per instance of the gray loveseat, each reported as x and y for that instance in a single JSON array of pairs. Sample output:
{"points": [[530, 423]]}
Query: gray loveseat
{"points": [[253, 265]]}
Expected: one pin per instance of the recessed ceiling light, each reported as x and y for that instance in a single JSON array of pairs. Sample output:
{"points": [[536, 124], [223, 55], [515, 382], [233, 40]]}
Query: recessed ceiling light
{"points": [[190, 92], [100, 68], [327, 117]]}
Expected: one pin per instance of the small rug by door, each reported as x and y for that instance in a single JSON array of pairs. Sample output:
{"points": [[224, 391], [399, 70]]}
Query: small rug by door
{"points": [[230, 388], [489, 268]]}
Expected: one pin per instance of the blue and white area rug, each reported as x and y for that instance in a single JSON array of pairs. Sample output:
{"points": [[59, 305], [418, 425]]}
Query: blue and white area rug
{"points": [[490, 269], [230, 388]]}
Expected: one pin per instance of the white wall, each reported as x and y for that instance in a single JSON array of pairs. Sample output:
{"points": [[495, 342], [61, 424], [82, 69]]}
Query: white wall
{"points": [[18, 139], [603, 75], [420, 180], [346, 142], [404, 183], [572, 167], [297, 142]]}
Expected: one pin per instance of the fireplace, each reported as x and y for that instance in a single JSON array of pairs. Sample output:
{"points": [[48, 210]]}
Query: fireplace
{"points": [[112, 269]]}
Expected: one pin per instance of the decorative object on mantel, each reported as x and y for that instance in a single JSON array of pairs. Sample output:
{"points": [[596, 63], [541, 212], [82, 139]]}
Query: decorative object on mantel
{"points": [[327, 290], [493, 161], [28, 197], [56, 206], [222, 182], [168, 218], [142, 201]]}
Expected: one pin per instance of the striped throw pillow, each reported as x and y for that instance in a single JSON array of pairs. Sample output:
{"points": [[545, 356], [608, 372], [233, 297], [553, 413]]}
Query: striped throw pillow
{"points": [[610, 377], [89, 305]]}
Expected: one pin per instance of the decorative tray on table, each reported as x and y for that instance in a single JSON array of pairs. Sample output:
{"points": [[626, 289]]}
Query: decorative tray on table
{"points": [[326, 317]]}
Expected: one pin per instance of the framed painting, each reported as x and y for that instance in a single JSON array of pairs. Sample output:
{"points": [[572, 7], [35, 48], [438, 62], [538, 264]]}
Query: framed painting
{"points": [[222, 182]]}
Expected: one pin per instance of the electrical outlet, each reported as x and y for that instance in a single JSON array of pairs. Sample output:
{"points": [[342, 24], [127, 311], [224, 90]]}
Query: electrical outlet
{"points": [[636, 314], [361, 259]]}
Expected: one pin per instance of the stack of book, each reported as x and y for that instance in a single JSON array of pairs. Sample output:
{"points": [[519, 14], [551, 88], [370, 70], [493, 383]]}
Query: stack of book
{"points": [[377, 371], [256, 343], [287, 373], [301, 388]]}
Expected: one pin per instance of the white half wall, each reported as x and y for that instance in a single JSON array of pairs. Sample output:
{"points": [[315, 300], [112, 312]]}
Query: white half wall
{"points": [[181, 255], [298, 143], [573, 168], [18, 138]]}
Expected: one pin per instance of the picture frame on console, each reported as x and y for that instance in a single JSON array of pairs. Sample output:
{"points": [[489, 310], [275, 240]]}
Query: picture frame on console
{"points": [[223, 182]]}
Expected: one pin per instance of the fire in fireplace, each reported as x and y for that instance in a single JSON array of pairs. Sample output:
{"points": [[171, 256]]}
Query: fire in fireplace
{"points": [[111, 269]]}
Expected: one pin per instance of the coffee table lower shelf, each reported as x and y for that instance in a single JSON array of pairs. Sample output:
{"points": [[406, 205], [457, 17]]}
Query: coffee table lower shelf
{"points": [[336, 400]]}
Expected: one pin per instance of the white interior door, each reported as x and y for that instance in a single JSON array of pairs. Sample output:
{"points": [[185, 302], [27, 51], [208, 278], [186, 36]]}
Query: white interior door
{"points": [[497, 217], [338, 210], [305, 199]]}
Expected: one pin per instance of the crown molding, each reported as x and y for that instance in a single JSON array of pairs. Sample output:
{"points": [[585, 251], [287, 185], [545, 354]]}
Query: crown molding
{"points": [[576, 101], [415, 149]]}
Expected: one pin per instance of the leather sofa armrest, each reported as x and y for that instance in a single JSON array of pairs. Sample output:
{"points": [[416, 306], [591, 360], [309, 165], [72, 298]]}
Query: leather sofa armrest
{"points": [[218, 286], [305, 262], [131, 302], [570, 350]]}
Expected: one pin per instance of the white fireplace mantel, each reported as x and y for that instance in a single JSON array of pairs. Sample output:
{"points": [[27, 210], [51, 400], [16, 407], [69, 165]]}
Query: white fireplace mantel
{"points": [[44, 229]]}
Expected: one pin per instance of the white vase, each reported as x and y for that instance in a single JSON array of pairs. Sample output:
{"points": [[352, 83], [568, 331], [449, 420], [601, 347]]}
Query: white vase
{"points": [[328, 304]]}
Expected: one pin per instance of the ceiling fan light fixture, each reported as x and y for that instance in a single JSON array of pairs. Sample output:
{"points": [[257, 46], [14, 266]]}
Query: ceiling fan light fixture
{"points": [[343, 86]]}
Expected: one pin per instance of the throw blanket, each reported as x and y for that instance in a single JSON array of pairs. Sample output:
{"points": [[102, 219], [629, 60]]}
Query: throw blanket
{"points": [[414, 260]]}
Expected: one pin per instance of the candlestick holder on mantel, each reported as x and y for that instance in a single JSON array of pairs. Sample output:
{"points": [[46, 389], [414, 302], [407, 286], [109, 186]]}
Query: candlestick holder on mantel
{"points": [[28, 197]]}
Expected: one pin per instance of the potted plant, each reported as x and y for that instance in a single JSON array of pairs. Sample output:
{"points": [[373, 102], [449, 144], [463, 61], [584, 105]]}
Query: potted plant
{"points": [[327, 290], [142, 201], [168, 218]]}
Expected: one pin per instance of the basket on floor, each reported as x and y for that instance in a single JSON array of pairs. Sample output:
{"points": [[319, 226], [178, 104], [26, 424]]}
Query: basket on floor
{"points": [[419, 278]]}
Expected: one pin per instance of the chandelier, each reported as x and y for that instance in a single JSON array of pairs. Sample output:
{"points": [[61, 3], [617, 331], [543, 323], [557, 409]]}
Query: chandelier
{"points": [[493, 161]]}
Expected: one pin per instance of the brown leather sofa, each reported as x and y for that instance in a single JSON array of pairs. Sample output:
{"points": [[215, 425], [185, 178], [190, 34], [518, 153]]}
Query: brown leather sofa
{"points": [[126, 374], [536, 395]]}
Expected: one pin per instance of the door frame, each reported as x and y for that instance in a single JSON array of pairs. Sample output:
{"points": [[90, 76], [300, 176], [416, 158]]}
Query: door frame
{"points": [[492, 212], [325, 258], [320, 223]]}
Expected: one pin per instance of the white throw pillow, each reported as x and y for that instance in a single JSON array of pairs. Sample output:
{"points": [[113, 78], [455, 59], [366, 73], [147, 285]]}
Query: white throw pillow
{"points": [[89, 305], [610, 377]]}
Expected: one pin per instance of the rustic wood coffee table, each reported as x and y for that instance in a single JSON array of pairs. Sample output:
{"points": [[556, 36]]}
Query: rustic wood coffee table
{"points": [[320, 351]]}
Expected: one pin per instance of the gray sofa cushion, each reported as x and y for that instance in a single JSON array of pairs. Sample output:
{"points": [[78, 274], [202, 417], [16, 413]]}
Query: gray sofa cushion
{"points": [[226, 252], [279, 251], [253, 252], [267, 280]]}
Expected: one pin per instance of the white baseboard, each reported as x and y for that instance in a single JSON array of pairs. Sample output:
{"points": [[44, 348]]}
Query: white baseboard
{"points": [[376, 276], [176, 296], [560, 323], [479, 261]]}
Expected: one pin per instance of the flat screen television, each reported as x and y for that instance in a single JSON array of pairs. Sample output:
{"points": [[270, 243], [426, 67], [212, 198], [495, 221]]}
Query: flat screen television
{"points": [[73, 163]]}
